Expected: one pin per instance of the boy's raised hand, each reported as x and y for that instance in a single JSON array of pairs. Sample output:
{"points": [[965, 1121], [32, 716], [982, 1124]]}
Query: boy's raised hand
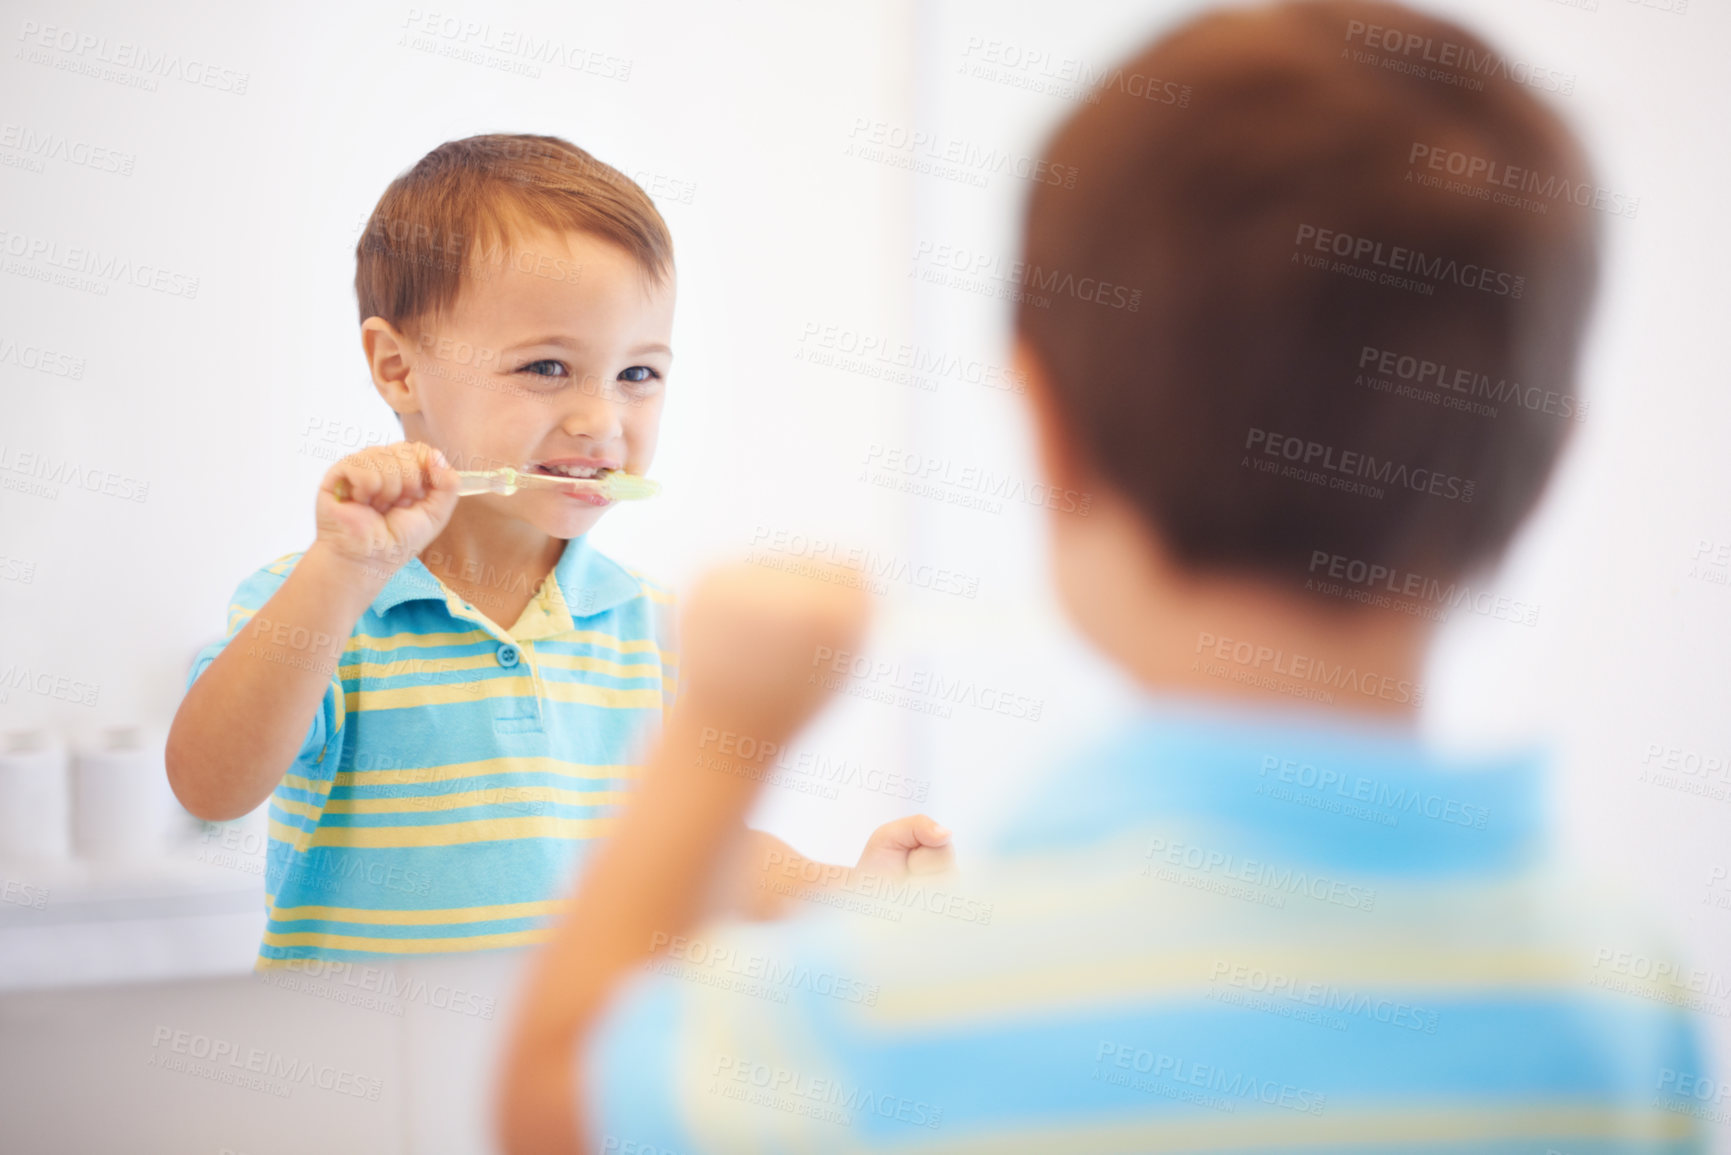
{"points": [[750, 658], [382, 506], [752, 645], [914, 845]]}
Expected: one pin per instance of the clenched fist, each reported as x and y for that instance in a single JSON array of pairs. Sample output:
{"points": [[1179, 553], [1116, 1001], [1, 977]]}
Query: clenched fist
{"points": [[382, 506]]}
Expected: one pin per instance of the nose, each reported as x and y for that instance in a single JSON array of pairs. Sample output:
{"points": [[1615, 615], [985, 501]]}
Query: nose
{"points": [[593, 412]]}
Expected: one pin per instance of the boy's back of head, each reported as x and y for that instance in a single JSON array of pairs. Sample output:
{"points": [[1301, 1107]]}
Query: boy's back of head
{"points": [[1315, 293]]}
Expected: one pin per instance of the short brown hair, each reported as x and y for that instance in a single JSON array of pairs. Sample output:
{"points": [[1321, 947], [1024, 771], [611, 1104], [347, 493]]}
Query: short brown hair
{"points": [[1199, 208], [449, 214]]}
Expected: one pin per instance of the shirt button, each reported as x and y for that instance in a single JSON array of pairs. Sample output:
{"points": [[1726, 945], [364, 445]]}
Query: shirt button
{"points": [[508, 656]]}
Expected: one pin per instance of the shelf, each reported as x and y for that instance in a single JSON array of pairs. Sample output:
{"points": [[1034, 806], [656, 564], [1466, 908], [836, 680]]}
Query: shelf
{"points": [[196, 912]]}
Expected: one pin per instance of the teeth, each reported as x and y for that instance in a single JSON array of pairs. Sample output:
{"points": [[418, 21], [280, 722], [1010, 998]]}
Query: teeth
{"points": [[574, 470]]}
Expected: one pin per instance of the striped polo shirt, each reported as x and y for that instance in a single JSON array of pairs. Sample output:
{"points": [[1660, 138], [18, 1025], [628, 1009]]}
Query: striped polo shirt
{"points": [[1217, 931], [457, 773]]}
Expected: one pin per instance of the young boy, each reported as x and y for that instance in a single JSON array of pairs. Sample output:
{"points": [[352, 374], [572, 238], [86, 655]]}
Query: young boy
{"points": [[442, 698], [1264, 916]]}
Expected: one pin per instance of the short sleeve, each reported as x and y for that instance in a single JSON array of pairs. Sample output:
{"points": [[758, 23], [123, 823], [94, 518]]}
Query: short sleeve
{"points": [[325, 730]]}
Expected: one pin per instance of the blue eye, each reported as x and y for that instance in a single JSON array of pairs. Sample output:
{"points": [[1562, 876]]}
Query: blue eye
{"points": [[547, 368], [639, 374]]}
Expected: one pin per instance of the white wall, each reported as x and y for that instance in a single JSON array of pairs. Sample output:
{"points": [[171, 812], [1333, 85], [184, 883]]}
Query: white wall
{"points": [[216, 402]]}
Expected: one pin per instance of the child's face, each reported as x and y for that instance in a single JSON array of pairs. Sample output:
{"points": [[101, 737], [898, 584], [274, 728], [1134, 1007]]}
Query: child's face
{"points": [[554, 361]]}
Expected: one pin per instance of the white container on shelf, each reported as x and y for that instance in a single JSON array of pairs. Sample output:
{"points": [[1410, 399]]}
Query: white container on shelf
{"points": [[35, 799], [122, 807]]}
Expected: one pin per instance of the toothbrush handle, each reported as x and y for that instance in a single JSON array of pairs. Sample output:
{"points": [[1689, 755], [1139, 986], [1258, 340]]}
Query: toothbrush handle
{"points": [[619, 487], [471, 482]]}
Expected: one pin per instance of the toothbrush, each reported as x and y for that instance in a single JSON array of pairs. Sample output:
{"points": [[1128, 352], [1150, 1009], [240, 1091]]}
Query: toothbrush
{"points": [[616, 486]]}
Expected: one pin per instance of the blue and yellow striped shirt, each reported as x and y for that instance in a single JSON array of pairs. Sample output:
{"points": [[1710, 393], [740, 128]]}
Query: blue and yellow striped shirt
{"points": [[456, 773], [1219, 931]]}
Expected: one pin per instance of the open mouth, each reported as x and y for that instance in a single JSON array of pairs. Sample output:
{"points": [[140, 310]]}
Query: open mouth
{"points": [[592, 470]]}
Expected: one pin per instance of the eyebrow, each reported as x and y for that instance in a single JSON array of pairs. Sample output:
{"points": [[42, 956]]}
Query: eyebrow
{"points": [[574, 343]]}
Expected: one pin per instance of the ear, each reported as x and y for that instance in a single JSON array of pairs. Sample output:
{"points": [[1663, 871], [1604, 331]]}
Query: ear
{"points": [[389, 354], [1054, 444]]}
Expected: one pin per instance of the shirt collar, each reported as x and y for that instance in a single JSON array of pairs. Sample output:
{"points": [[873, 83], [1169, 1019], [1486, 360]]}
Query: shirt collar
{"points": [[590, 581], [1300, 786]]}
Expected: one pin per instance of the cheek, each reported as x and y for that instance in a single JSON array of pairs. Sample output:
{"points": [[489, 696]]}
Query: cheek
{"points": [[492, 426], [643, 430]]}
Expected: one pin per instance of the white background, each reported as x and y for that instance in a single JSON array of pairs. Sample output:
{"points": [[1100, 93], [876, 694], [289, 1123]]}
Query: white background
{"points": [[220, 402]]}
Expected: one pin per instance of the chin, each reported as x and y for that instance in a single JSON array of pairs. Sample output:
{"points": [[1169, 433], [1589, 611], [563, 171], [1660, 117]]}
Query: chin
{"points": [[567, 523]]}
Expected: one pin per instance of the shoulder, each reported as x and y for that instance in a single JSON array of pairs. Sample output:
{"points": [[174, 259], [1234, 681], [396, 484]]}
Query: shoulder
{"points": [[257, 587], [638, 602], [660, 612], [282, 566], [594, 583], [273, 574], [649, 588]]}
